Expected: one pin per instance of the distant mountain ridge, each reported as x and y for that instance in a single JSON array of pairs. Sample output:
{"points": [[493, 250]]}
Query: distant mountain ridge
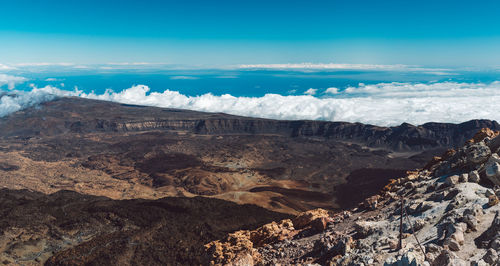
{"points": [[82, 116]]}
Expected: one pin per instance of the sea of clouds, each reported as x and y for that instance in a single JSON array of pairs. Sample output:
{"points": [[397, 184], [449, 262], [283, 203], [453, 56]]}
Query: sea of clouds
{"points": [[383, 104]]}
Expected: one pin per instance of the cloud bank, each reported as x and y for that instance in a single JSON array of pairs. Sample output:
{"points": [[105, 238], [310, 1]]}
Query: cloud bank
{"points": [[382, 104], [14, 101], [336, 66], [305, 67], [10, 80], [322, 66]]}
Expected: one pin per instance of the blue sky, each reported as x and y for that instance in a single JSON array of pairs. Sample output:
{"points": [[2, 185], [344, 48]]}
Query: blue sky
{"points": [[214, 33]]}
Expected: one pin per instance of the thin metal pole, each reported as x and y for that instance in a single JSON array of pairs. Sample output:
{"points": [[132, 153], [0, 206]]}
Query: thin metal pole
{"points": [[413, 232], [400, 245]]}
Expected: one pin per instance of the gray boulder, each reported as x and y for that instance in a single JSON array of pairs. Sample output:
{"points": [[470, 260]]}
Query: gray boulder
{"points": [[452, 180], [464, 178], [474, 177], [477, 153], [492, 169], [448, 258], [479, 263], [407, 259], [491, 256], [494, 143]]}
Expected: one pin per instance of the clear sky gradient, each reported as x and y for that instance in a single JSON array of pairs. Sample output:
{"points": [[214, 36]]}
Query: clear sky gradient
{"points": [[214, 33]]}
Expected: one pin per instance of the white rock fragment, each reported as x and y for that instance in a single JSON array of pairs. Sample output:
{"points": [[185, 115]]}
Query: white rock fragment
{"points": [[452, 180]]}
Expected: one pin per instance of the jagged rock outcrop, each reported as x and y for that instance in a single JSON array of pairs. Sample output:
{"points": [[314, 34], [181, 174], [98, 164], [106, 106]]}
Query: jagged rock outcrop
{"points": [[306, 218], [240, 244], [451, 207]]}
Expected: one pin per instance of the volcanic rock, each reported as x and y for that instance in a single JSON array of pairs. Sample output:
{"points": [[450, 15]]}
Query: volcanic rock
{"points": [[492, 169], [482, 134], [68, 228], [456, 228], [491, 257], [320, 224], [477, 153], [452, 180], [447, 258], [364, 228], [304, 219], [493, 200], [474, 177], [464, 178]]}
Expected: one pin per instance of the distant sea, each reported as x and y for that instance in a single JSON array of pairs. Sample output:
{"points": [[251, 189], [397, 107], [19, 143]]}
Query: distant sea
{"points": [[249, 83]]}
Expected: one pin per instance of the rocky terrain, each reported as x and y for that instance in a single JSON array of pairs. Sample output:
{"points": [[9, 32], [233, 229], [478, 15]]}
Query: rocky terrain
{"points": [[68, 228], [451, 217], [98, 183], [127, 152]]}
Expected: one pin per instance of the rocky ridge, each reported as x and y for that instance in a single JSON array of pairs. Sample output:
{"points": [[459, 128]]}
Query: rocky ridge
{"points": [[128, 152], [90, 116], [452, 217]]}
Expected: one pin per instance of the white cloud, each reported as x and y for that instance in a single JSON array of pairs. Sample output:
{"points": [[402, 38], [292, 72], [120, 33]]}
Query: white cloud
{"points": [[334, 66], [51, 79], [81, 67], [11, 81], [127, 65], [422, 90], [132, 63], [321, 66], [332, 90], [18, 100], [183, 77], [6, 67], [440, 73], [226, 77], [43, 64], [310, 91], [379, 104], [304, 67]]}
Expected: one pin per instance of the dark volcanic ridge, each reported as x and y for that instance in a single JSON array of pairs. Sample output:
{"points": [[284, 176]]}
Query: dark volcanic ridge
{"points": [[126, 151], [81, 115]]}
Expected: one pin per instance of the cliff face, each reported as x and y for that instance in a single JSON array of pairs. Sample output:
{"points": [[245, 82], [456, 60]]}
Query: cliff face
{"points": [[86, 116], [405, 137]]}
